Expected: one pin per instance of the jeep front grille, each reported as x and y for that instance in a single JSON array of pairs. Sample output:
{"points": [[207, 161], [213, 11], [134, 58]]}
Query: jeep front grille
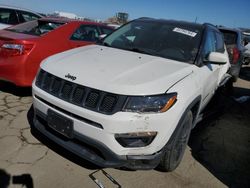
{"points": [[79, 95]]}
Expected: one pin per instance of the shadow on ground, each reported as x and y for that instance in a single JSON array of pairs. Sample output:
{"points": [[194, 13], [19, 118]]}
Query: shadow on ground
{"points": [[25, 180], [56, 148], [14, 90], [221, 142]]}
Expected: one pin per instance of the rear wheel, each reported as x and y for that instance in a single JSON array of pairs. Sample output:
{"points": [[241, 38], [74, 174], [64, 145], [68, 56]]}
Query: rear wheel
{"points": [[176, 148]]}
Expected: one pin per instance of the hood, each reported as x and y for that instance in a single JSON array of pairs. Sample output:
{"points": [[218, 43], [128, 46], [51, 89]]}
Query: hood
{"points": [[117, 71]]}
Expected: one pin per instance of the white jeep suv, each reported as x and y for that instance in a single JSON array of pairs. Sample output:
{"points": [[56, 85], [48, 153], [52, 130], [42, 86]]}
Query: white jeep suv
{"points": [[132, 100]]}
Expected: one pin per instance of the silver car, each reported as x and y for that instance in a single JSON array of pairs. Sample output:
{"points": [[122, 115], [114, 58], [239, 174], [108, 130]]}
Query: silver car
{"points": [[13, 15]]}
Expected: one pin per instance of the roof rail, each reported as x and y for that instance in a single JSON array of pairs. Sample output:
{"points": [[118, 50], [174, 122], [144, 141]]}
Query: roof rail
{"points": [[145, 18]]}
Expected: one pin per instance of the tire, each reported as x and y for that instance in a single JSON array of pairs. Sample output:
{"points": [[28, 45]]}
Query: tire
{"points": [[228, 87], [176, 148], [235, 78]]}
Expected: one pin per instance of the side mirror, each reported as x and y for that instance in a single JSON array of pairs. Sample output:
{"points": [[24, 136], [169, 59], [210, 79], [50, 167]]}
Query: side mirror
{"points": [[216, 58]]}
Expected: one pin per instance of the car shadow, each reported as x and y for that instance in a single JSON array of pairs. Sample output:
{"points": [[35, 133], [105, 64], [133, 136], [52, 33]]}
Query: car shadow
{"points": [[14, 90], [240, 92], [221, 142], [25, 180], [56, 148], [245, 73]]}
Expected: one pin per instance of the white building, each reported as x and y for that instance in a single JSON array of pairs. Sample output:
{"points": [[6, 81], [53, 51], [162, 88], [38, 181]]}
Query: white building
{"points": [[65, 14], [71, 16]]}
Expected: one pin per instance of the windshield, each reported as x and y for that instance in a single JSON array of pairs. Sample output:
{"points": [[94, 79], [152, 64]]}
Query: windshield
{"points": [[173, 40], [37, 27]]}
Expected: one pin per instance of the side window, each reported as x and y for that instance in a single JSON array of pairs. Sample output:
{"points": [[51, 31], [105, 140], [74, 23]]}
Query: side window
{"points": [[85, 33], [219, 42], [105, 30], [210, 43], [8, 16], [26, 16]]}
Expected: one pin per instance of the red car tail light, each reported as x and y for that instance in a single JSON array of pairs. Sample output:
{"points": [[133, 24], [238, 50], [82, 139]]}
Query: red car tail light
{"points": [[236, 55], [12, 49]]}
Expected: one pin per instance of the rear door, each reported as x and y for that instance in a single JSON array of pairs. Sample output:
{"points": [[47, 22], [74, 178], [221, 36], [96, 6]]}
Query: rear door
{"points": [[8, 17]]}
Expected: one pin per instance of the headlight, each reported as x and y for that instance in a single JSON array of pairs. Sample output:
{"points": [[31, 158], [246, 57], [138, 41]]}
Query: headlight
{"points": [[158, 103]]}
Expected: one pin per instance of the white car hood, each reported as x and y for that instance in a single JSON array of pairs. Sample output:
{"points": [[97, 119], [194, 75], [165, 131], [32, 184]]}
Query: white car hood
{"points": [[117, 71]]}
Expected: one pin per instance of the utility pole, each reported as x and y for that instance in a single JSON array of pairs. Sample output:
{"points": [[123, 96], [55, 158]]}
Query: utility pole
{"points": [[196, 18]]}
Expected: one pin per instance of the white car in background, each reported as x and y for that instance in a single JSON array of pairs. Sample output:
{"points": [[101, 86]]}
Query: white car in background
{"points": [[247, 54], [13, 15], [247, 46]]}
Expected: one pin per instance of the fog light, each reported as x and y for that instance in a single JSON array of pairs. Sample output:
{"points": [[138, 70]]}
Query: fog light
{"points": [[138, 139]]}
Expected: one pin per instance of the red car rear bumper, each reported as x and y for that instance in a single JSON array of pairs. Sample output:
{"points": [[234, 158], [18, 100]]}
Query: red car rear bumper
{"points": [[13, 70]]}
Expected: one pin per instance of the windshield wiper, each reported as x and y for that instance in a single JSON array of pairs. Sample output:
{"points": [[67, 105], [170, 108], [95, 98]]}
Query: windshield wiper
{"points": [[106, 44], [100, 42], [139, 51]]}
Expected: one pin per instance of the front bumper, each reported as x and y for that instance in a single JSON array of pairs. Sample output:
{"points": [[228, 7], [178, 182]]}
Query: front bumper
{"points": [[93, 150], [109, 153]]}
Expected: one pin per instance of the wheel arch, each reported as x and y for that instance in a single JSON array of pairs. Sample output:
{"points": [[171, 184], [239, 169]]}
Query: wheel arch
{"points": [[168, 161], [194, 107]]}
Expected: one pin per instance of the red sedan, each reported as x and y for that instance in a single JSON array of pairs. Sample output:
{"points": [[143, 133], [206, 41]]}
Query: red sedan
{"points": [[24, 46]]}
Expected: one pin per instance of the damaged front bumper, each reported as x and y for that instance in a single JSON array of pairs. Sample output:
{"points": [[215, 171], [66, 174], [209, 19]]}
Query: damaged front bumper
{"points": [[93, 150]]}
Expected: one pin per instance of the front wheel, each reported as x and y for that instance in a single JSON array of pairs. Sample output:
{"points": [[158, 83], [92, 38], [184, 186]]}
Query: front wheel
{"points": [[176, 148]]}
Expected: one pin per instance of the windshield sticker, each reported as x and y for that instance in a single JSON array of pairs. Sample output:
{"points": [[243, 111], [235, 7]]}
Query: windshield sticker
{"points": [[185, 32]]}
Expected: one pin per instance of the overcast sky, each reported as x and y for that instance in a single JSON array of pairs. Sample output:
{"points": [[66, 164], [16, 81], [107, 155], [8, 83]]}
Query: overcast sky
{"points": [[218, 12]]}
